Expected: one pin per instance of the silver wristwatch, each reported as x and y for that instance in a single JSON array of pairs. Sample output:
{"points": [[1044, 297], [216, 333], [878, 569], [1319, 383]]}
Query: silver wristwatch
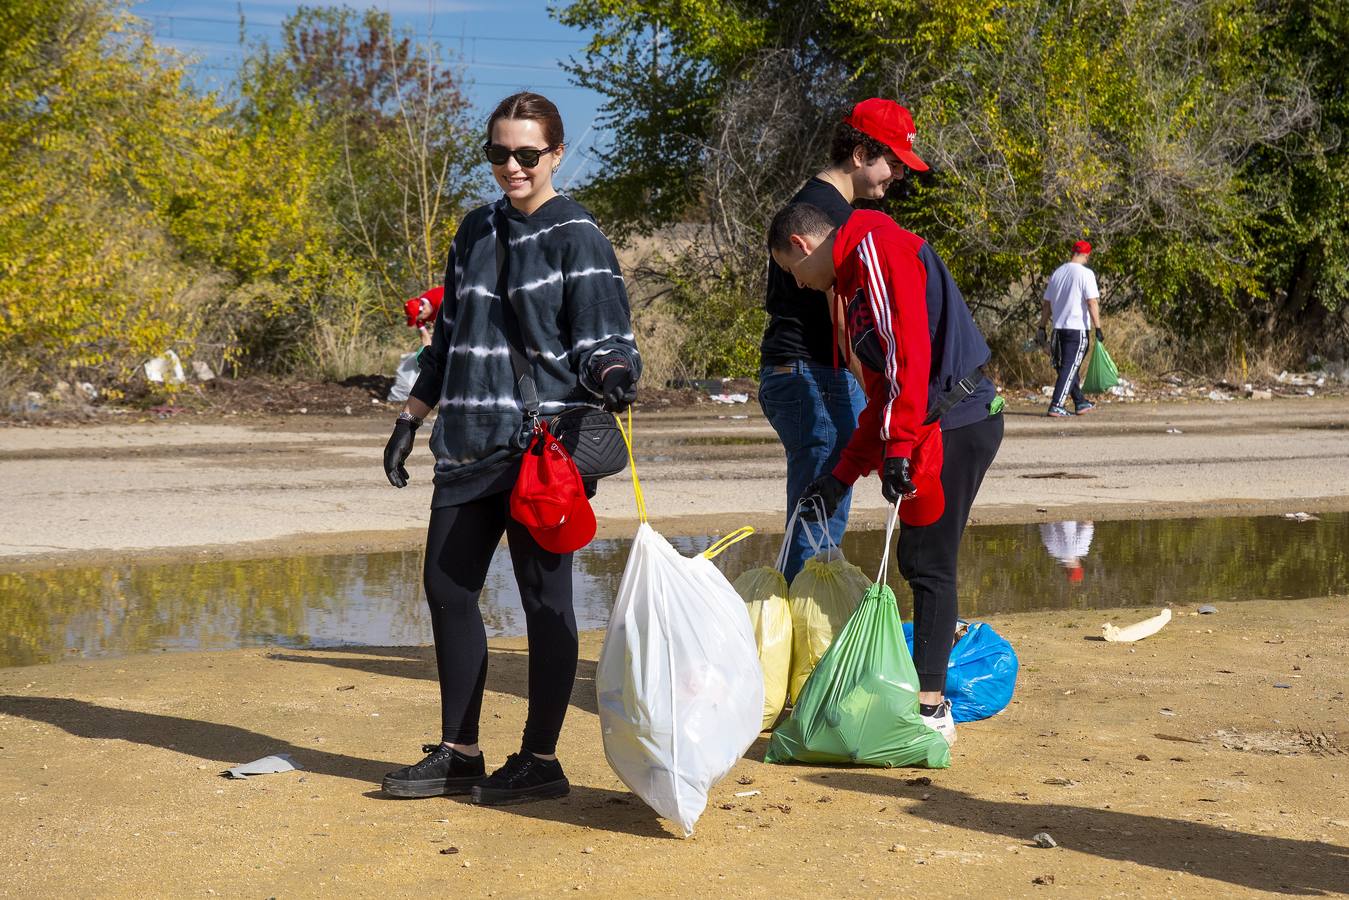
{"points": [[408, 417]]}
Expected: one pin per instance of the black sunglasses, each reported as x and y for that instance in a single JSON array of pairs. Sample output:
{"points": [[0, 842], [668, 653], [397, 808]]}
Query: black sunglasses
{"points": [[527, 157]]}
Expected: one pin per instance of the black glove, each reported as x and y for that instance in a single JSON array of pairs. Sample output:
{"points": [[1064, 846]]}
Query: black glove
{"points": [[895, 479], [1099, 337], [617, 389], [397, 450], [829, 490], [1041, 337]]}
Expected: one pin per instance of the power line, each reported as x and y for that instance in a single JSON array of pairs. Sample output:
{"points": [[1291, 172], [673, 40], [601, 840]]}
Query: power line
{"points": [[501, 84], [445, 37], [185, 41]]}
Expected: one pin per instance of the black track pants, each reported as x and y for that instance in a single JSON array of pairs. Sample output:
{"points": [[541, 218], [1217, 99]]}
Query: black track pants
{"points": [[1070, 348], [927, 554], [459, 547]]}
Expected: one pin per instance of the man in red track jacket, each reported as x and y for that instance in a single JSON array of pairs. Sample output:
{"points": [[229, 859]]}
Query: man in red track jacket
{"points": [[931, 425]]}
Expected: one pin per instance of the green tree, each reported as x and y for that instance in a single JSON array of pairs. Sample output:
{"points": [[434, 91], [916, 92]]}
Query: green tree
{"points": [[96, 122], [1161, 130]]}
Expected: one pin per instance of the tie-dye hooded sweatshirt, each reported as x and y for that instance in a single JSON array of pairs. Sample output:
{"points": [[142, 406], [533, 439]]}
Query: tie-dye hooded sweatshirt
{"points": [[574, 318]]}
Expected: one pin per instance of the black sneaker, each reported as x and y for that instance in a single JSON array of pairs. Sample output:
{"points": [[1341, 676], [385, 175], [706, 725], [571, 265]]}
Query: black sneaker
{"points": [[524, 777], [445, 771]]}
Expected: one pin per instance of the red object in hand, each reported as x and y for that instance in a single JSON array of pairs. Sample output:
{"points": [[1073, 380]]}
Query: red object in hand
{"points": [[549, 497], [929, 500]]}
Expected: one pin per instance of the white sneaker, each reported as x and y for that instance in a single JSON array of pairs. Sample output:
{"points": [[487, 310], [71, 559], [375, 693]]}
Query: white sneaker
{"points": [[942, 722]]}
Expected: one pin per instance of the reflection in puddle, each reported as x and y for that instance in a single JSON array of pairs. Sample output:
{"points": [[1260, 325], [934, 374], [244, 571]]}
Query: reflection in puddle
{"points": [[375, 599], [726, 440]]}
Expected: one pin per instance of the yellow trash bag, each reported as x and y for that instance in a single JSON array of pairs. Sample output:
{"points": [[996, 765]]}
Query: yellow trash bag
{"points": [[764, 591], [822, 597]]}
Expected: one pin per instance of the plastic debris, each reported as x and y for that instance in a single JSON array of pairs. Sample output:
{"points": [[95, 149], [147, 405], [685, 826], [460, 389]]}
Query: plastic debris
{"points": [[1136, 631], [730, 398], [1301, 379], [1174, 431], [166, 368], [202, 370], [404, 377], [268, 765], [1207, 609], [1219, 395]]}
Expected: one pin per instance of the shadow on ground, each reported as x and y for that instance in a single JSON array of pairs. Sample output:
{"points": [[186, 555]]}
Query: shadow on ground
{"points": [[227, 744], [1259, 862], [507, 669]]}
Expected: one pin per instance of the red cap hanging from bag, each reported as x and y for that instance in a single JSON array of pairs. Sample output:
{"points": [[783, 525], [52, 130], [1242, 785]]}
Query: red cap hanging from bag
{"points": [[928, 504], [549, 497]]}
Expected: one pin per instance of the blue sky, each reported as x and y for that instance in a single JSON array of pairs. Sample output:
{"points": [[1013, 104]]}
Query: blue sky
{"points": [[505, 46]]}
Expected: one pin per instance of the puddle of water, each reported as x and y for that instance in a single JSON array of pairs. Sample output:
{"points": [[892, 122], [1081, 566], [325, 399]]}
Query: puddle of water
{"points": [[375, 599], [726, 440]]}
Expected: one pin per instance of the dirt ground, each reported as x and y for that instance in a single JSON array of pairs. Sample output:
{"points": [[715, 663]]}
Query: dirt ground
{"points": [[1173, 767], [197, 486], [1207, 760]]}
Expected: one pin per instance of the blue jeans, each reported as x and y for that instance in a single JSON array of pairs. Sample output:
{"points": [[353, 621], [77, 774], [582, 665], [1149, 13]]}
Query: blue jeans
{"points": [[814, 410]]}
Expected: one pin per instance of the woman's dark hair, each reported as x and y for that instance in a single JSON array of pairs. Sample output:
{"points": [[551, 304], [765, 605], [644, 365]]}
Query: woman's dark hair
{"points": [[846, 138], [528, 105]]}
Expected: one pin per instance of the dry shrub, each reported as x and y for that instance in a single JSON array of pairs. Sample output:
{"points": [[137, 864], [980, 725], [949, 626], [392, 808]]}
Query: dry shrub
{"points": [[660, 336], [336, 349], [1142, 349], [1013, 365]]}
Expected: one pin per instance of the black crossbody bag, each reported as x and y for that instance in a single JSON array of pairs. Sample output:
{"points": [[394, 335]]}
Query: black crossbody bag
{"points": [[589, 435]]}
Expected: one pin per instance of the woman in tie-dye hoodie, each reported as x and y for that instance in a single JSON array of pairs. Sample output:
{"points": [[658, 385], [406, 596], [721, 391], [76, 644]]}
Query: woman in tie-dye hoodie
{"points": [[573, 317]]}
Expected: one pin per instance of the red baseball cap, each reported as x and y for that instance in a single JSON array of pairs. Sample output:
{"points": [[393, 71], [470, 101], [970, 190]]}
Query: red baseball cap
{"points": [[549, 497], [1082, 247], [413, 307], [929, 502], [889, 123]]}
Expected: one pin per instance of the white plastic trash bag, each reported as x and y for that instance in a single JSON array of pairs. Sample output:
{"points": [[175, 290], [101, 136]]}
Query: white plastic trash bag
{"points": [[679, 685], [404, 378], [166, 368]]}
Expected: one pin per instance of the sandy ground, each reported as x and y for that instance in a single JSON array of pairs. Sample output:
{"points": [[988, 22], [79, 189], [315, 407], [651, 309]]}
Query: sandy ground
{"points": [[1174, 767], [1179, 766], [180, 486]]}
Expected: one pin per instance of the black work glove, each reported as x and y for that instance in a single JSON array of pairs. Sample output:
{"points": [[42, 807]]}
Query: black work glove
{"points": [[1099, 337], [829, 490], [617, 389], [896, 480], [397, 450]]}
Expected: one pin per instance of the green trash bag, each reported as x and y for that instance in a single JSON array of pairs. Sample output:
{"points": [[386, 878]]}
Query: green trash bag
{"points": [[1102, 374], [860, 704]]}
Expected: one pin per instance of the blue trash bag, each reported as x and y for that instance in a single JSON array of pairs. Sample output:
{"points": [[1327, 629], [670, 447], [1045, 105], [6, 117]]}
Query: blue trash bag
{"points": [[981, 676]]}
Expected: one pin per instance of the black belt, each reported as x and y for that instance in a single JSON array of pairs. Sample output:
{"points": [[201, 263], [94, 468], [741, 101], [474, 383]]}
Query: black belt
{"points": [[957, 392]]}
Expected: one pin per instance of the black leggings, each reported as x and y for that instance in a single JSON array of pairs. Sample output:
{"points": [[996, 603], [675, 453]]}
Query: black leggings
{"points": [[927, 554], [459, 547]]}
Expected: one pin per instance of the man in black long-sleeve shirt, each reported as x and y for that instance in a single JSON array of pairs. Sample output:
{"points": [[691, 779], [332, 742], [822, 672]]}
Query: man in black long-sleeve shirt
{"points": [[806, 391]]}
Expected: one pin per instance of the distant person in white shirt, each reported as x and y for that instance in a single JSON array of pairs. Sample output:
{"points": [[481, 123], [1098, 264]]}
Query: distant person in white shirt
{"points": [[1071, 302], [1068, 542]]}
